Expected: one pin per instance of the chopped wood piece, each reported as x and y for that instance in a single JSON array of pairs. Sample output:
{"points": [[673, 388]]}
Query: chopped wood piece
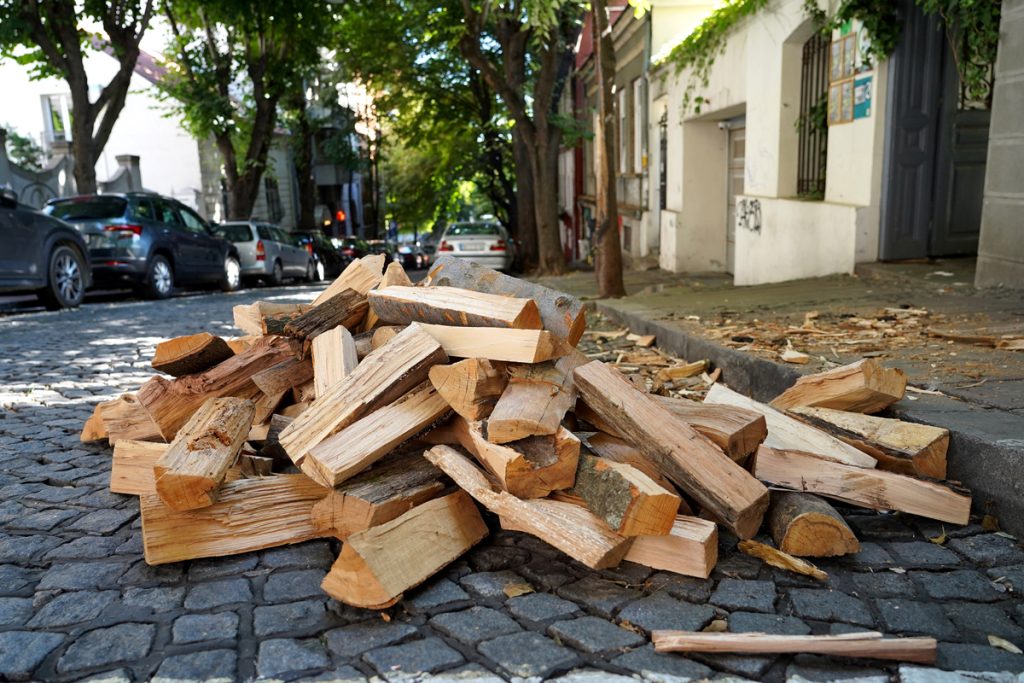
{"points": [[249, 318], [862, 387], [572, 529], [904, 447], [787, 433], [642, 340], [378, 565], [873, 489], [305, 392], [277, 379], [682, 371], [382, 377], [382, 335], [615, 449], [364, 344], [171, 403], [496, 343], [535, 401], [346, 308], [191, 354], [394, 276], [131, 467], [360, 275], [629, 501], [737, 431], [334, 357], [804, 525], [371, 437], [471, 386], [191, 470], [378, 495], [869, 644], [295, 409], [690, 548], [562, 314], [119, 419], [265, 406], [453, 306], [250, 514], [252, 466], [272, 442], [794, 356], [777, 558], [703, 471], [242, 344]]}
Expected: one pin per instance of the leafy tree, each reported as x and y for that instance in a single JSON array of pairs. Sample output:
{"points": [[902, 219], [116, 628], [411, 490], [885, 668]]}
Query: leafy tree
{"points": [[52, 39], [24, 151]]}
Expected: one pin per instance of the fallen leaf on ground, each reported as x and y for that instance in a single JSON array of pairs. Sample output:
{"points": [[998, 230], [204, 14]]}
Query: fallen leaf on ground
{"points": [[512, 590], [717, 626], [940, 539]]}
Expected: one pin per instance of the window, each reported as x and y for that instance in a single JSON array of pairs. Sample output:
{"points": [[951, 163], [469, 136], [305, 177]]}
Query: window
{"points": [[273, 196], [165, 213], [57, 118], [663, 161], [624, 132], [812, 126], [193, 223], [144, 210], [638, 126]]}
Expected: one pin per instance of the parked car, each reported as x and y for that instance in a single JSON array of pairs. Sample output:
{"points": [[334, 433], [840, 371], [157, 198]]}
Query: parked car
{"points": [[267, 252], [430, 251], [330, 261], [383, 247], [149, 242], [352, 247], [480, 242], [412, 256], [41, 254]]}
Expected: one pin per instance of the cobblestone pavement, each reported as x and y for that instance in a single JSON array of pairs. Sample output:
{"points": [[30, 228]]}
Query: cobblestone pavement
{"points": [[77, 601]]}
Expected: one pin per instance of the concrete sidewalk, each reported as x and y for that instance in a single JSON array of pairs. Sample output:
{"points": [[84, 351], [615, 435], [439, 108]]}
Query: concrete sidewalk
{"points": [[974, 391]]}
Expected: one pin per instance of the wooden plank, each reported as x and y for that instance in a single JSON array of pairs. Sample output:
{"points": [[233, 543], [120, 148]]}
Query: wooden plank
{"points": [[249, 317], [535, 401], [360, 275], [394, 275], [787, 433], [346, 308], [249, 515], [863, 387], [368, 439], [873, 489], [279, 378], [496, 343], [690, 548], [382, 377], [471, 386], [867, 644], [699, 468], [804, 525], [629, 501], [193, 467], [131, 467], [904, 447], [334, 358], [378, 565], [453, 306], [190, 354], [561, 313], [737, 431]]}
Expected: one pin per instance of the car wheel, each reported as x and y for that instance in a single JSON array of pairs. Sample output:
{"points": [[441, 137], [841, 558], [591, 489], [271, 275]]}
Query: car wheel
{"points": [[311, 272], [232, 275], [276, 276], [65, 282], [160, 279]]}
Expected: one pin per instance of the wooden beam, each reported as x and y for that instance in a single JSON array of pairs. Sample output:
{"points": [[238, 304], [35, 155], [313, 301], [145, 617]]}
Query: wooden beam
{"points": [[453, 306], [804, 525], [787, 433], [904, 447], [193, 467], [279, 378], [629, 501], [867, 644], [249, 318], [360, 275], [334, 358], [471, 386], [737, 431], [496, 343], [378, 565], [690, 548], [191, 354], [563, 314], [249, 515], [699, 468], [535, 401], [863, 387], [873, 489]]}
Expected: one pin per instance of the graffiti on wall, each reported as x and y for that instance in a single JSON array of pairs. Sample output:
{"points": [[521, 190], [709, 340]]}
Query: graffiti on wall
{"points": [[748, 214]]}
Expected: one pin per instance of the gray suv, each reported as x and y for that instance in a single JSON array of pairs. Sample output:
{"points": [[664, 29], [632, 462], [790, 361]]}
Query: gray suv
{"points": [[149, 242], [267, 252]]}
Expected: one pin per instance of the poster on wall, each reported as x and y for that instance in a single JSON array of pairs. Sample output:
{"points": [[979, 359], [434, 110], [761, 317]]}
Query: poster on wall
{"points": [[834, 102], [845, 101], [862, 98]]}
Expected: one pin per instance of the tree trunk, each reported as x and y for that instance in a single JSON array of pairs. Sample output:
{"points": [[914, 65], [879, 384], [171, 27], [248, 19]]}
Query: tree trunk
{"points": [[608, 265], [526, 218], [84, 157], [545, 201], [304, 168]]}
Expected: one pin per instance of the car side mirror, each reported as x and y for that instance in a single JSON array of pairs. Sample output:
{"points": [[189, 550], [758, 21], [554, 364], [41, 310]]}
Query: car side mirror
{"points": [[8, 198]]}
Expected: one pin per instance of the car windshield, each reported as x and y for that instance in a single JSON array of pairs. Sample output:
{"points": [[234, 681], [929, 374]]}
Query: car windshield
{"points": [[233, 232], [92, 207], [466, 229]]}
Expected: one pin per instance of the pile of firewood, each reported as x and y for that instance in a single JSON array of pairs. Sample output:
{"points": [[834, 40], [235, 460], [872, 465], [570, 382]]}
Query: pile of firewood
{"points": [[386, 415]]}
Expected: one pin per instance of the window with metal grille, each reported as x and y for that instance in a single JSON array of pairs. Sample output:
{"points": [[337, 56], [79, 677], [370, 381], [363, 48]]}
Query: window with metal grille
{"points": [[663, 161], [812, 125], [273, 199]]}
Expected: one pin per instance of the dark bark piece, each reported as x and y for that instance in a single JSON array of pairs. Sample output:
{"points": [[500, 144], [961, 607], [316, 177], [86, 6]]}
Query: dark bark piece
{"points": [[347, 308], [191, 354]]}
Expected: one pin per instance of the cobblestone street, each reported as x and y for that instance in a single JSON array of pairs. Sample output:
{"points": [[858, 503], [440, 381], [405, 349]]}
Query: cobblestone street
{"points": [[77, 600]]}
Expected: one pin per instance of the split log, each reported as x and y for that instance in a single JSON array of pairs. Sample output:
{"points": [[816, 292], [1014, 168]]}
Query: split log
{"points": [[253, 466], [394, 276], [804, 525], [249, 515], [265, 406], [471, 386], [535, 401], [295, 409], [722, 487], [242, 344], [615, 449], [572, 529], [378, 495], [279, 378], [381, 378], [561, 313], [777, 558], [272, 442], [360, 275], [334, 358], [378, 565], [131, 467], [868, 644], [191, 354], [904, 447], [382, 335], [873, 489], [496, 343], [305, 392], [862, 387], [789, 434], [364, 344], [370, 438], [683, 371], [737, 431], [453, 306], [119, 419], [347, 308], [250, 318], [171, 403], [629, 501], [191, 470], [690, 548]]}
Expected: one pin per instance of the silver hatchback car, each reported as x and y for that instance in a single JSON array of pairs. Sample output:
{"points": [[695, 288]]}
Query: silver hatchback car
{"points": [[481, 242], [267, 252]]}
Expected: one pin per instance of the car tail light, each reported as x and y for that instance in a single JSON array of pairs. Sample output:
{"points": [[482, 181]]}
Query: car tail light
{"points": [[261, 251], [445, 247], [125, 230], [309, 248], [498, 246], [348, 251]]}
